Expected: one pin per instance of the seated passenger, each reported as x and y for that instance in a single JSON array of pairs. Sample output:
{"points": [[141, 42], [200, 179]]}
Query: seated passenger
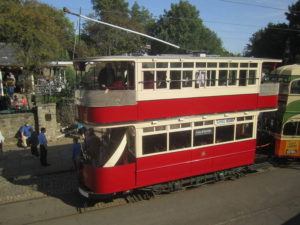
{"points": [[118, 84], [106, 77]]}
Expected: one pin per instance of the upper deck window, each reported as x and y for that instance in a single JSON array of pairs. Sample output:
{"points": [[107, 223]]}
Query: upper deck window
{"points": [[188, 65], [108, 75], [233, 65], [201, 65], [162, 65], [148, 65], [175, 64], [212, 65], [295, 87]]}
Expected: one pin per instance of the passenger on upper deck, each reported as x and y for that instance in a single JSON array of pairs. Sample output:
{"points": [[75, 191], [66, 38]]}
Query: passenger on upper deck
{"points": [[106, 77]]}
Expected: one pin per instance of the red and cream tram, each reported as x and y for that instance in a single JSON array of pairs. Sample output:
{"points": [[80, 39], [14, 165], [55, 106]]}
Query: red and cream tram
{"points": [[164, 118]]}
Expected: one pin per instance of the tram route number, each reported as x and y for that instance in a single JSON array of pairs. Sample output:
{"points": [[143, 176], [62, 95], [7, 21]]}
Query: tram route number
{"points": [[291, 147]]}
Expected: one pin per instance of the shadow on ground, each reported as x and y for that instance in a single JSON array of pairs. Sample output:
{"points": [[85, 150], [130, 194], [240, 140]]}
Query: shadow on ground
{"points": [[26, 178]]}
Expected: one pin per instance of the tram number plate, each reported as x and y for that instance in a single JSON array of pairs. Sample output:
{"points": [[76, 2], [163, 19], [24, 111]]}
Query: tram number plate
{"points": [[291, 151]]}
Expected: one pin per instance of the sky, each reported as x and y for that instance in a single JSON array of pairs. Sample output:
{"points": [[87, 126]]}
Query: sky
{"points": [[234, 21]]}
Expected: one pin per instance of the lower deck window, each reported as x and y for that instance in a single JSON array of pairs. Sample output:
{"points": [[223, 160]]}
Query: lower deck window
{"points": [[203, 136], [180, 139], [224, 133], [154, 143], [244, 130]]}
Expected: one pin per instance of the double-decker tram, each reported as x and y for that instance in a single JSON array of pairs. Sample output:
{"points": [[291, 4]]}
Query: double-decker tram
{"points": [[284, 125], [164, 121]]}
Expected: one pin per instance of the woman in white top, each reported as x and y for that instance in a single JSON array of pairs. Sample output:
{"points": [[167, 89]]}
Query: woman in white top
{"points": [[1, 142]]}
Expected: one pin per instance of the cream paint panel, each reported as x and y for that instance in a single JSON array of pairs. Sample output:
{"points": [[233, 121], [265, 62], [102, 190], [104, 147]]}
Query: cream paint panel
{"points": [[116, 156], [195, 92], [140, 126]]}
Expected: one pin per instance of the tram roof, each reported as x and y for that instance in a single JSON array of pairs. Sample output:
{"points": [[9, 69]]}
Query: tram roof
{"points": [[288, 70], [174, 57]]}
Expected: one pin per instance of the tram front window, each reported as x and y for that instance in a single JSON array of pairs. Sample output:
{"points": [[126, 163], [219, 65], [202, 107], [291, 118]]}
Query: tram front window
{"points": [[114, 75], [109, 147]]}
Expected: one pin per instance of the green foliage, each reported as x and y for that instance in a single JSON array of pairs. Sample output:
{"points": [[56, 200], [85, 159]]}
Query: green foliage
{"points": [[269, 42], [280, 41], [40, 32], [103, 40], [182, 26]]}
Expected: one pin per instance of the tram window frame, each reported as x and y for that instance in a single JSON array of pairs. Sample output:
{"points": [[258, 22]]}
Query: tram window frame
{"points": [[180, 139], [175, 84], [242, 132], [157, 143], [232, 80], [252, 77], [148, 83], [159, 82], [224, 133], [162, 65], [211, 78], [243, 80], [292, 131], [200, 64], [294, 89], [188, 75], [223, 76], [209, 136]]}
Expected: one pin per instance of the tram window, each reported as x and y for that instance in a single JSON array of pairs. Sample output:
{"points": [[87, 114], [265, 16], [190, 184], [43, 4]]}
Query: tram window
{"points": [[223, 65], [222, 77], [295, 87], [290, 128], [180, 139], [161, 77], [211, 78], [244, 65], [175, 79], [248, 117], [203, 136], [232, 76], [187, 78], [162, 65], [233, 65], [154, 143], [200, 77], [188, 65], [240, 118], [212, 65], [209, 122], [201, 65], [148, 79], [197, 124], [148, 129], [242, 78], [160, 128], [224, 133], [175, 65], [148, 65], [174, 126], [252, 77], [184, 125], [244, 130], [253, 65]]}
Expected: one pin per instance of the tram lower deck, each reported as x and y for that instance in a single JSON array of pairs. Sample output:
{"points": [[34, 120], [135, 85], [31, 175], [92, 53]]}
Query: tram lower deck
{"points": [[147, 154]]}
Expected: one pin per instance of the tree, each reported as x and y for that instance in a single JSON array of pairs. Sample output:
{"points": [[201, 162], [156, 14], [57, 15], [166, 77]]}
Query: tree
{"points": [[182, 26], [40, 32], [103, 40], [293, 16], [270, 42]]}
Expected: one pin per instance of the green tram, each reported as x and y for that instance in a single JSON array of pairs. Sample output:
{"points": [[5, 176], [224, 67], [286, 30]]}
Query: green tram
{"points": [[284, 124]]}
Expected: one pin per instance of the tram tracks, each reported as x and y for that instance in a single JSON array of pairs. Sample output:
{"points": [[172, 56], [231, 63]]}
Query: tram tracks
{"points": [[71, 203]]}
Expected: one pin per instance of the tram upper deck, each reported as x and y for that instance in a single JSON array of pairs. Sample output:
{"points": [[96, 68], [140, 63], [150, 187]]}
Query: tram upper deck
{"points": [[120, 89]]}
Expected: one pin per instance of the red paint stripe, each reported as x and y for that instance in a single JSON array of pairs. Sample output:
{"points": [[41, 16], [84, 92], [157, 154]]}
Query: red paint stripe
{"points": [[158, 109]]}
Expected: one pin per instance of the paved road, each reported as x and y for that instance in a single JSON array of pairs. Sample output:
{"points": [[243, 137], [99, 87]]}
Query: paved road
{"points": [[267, 198]]}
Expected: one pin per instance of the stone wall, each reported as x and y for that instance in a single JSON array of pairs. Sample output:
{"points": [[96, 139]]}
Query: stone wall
{"points": [[11, 123], [46, 114], [43, 116]]}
